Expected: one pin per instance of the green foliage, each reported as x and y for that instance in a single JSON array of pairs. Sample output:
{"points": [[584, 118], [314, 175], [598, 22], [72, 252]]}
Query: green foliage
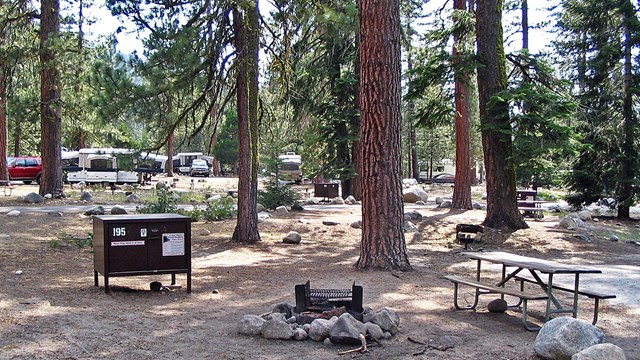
{"points": [[65, 239], [195, 214], [226, 149], [221, 209], [276, 195], [164, 202]]}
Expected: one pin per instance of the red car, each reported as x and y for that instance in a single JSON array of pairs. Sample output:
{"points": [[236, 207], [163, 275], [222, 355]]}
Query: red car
{"points": [[25, 168]]}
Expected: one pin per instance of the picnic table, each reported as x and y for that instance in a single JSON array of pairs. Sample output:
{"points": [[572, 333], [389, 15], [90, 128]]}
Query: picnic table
{"points": [[7, 187], [546, 289], [532, 207]]}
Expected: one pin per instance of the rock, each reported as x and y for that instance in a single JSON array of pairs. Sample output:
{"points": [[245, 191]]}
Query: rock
{"points": [[283, 308], [570, 223], [277, 329], [410, 227], [86, 196], [292, 237], [18, 272], [205, 232], [251, 325], [584, 215], [281, 210], [413, 194], [56, 214], [420, 202], [299, 334], [438, 200], [347, 330], [445, 204], [133, 199], [260, 208], [414, 215], [386, 318], [329, 223], [582, 237], [33, 198], [215, 198], [374, 331], [96, 210], [497, 306], [600, 352], [562, 337], [319, 329], [303, 221], [350, 200], [337, 201], [161, 185], [118, 210], [263, 216], [48, 196], [614, 238], [409, 182], [356, 224], [297, 207], [13, 213]]}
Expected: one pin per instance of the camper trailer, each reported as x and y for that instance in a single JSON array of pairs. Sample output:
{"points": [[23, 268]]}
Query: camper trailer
{"points": [[98, 166], [182, 161], [289, 167]]}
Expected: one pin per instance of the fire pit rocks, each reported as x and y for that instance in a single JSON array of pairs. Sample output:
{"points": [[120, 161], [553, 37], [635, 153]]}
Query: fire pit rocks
{"points": [[338, 325]]}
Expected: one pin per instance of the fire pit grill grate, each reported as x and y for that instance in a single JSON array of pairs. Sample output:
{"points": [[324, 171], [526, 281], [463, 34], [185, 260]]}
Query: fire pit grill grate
{"points": [[325, 299]]}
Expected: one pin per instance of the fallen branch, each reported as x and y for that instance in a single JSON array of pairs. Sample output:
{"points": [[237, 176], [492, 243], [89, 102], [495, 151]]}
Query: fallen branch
{"points": [[362, 349], [416, 341]]}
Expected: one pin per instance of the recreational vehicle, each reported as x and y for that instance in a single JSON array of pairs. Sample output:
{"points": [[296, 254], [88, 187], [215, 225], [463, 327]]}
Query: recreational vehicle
{"points": [[182, 161], [289, 167], [99, 166]]}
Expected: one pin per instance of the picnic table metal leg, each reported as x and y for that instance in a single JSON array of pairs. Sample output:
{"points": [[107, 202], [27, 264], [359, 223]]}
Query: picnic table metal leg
{"points": [[549, 298], [525, 323], [595, 311], [455, 299], [575, 296]]}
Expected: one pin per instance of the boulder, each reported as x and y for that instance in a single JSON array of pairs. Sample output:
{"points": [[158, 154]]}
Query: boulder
{"points": [[263, 216], [387, 319], [413, 194], [347, 330], [299, 334], [374, 331], [260, 208], [281, 210], [560, 338], [86, 196], [584, 215], [337, 201], [277, 329], [293, 237], [320, 329], [133, 199], [118, 210], [497, 306], [445, 204], [251, 325], [350, 200], [13, 213], [96, 210], [414, 215], [33, 198], [600, 352], [356, 224]]}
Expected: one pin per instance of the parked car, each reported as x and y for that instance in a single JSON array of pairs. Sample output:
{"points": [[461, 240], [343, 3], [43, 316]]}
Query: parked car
{"points": [[25, 168], [200, 167], [442, 178]]}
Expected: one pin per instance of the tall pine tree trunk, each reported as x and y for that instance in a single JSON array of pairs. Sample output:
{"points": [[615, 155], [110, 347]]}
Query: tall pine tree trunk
{"points": [[502, 206], [629, 162], [383, 245], [4, 173], [246, 34], [50, 102], [462, 186]]}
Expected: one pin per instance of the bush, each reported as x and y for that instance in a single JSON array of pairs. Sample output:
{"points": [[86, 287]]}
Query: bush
{"points": [[276, 195], [164, 203], [224, 208]]}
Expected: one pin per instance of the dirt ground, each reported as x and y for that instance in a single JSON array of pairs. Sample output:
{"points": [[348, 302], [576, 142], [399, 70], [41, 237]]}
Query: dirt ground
{"points": [[52, 310]]}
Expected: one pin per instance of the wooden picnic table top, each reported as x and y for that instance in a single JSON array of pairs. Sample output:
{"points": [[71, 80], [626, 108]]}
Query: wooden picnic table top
{"points": [[541, 265]]}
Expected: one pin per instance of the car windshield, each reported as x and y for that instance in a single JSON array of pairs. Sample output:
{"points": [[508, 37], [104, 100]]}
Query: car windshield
{"points": [[199, 163], [10, 161]]}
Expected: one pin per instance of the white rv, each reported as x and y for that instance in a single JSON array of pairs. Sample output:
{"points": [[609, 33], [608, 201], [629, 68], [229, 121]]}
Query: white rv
{"points": [[100, 166], [289, 167], [182, 161]]}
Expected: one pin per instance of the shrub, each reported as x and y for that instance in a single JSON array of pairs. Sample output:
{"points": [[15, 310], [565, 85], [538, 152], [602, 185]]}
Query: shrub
{"points": [[164, 203], [224, 208], [276, 195]]}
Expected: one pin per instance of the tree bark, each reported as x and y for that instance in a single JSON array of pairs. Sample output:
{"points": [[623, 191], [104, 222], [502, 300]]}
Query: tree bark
{"points": [[4, 172], [383, 245], [462, 186], [50, 101], [169, 165], [629, 162], [246, 34], [502, 207]]}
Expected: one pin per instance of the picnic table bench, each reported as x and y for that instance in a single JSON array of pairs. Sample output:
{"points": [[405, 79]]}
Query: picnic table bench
{"points": [[7, 187], [591, 294], [484, 289]]}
